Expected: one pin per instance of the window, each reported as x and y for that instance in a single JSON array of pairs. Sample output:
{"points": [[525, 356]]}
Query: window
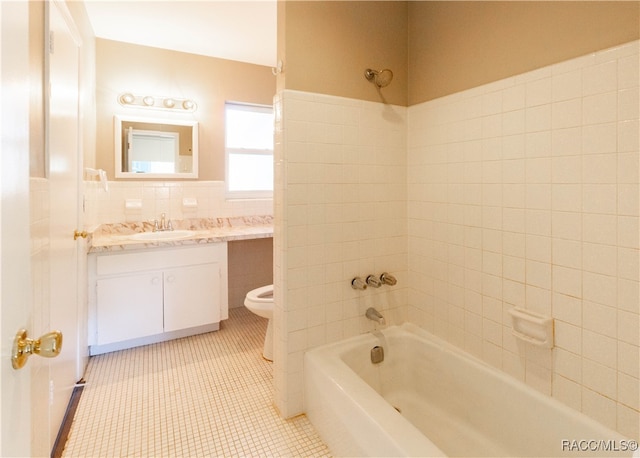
{"points": [[249, 150]]}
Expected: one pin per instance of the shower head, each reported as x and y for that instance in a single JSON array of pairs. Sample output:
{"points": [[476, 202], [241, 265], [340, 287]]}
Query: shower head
{"points": [[380, 78]]}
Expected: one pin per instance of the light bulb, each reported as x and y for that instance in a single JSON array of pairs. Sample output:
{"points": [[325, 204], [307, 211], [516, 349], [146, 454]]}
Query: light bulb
{"points": [[188, 105], [127, 98], [148, 100], [169, 103]]}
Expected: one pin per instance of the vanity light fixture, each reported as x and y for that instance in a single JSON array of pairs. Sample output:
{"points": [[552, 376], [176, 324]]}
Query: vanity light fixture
{"points": [[159, 103]]}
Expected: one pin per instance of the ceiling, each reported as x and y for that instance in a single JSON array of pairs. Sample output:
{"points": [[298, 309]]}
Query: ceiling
{"points": [[241, 30]]}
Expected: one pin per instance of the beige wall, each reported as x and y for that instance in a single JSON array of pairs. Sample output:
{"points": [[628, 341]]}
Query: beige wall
{"points": [[459, 45], [209, 81], [326, 47], [436, 48], [250, 267]]}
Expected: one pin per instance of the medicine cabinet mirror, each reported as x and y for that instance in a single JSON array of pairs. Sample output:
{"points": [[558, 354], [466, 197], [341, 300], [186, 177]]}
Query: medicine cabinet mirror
{"points": [[155, 148]]}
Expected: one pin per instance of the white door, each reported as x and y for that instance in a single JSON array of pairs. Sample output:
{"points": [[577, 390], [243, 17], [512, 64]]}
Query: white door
{"points": [[15, 292], [63, 151]]}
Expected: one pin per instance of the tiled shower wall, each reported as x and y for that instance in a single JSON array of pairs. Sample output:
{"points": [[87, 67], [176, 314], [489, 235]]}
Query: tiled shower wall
{"points": [[340, 212], [524, 193], [157, 197]]}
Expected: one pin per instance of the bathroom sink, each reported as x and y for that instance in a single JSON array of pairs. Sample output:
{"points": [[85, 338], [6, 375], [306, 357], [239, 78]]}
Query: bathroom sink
{"points": [[161, 235]]}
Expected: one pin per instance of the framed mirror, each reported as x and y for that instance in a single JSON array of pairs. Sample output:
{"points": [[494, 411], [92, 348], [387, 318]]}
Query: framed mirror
{"points": [[155, 148]]}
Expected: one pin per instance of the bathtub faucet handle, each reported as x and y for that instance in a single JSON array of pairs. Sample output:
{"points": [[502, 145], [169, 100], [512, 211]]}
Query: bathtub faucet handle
{"points": [[388, 279], [374, 315], [358, 283], [373, 281]]}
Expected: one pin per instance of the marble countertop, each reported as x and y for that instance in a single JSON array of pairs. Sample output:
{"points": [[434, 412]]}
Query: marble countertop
{"points": [[117, 236]]}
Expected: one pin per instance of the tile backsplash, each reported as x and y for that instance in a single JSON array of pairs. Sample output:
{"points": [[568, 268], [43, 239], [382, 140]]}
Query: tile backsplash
{"points": [[174, 198]]}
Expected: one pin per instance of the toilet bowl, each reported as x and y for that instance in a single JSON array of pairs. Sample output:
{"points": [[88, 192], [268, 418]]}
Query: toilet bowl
{"points": [[260, 302]]}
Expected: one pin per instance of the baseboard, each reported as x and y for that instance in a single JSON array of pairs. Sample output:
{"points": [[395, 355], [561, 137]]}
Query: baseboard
{"points": [[65, 427]]}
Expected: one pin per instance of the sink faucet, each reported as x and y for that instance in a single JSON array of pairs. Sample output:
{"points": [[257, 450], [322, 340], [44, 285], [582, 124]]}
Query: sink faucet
{"points": [[164, 225], [374, 315]]}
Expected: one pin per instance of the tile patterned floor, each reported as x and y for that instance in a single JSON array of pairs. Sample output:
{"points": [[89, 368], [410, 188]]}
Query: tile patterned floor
{"points": [[206, 395]]}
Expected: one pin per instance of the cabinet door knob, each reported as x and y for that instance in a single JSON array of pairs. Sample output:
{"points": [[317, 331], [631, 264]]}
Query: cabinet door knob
{"points": [[171, 278], [155, 280]]}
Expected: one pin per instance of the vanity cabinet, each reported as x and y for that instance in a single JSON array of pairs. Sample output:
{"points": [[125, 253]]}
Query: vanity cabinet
{"points": [[147, 296], [188, 293], [129, 307]]}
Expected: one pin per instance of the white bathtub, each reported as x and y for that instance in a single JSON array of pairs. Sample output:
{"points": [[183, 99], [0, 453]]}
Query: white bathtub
{"points": [[428, 398]]}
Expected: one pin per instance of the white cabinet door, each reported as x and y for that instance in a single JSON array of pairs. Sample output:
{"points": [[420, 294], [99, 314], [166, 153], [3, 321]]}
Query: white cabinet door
{"points": [[191, 296], [129, 307]]}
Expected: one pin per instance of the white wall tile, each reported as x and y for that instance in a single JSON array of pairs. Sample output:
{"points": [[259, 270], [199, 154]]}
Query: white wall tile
{"points": [[629, 359], [628, 71], [599, 228], [518, 193], [628, 421], [568, 211], [600, 108], [166, 197], [628, 104], [567, 253], [599, 406], [600, 78], [567, 308], [599, 138], [350, 218], [566, 142], [567, 85], [567, 281], [566, 113]]}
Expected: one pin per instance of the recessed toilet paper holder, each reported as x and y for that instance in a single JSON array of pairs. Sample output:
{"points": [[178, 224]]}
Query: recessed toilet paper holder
{"points": [[531, 327]]}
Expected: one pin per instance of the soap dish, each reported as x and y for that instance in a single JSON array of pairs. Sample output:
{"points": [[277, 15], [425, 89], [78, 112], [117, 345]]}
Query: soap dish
{"points": [[532, 328]]}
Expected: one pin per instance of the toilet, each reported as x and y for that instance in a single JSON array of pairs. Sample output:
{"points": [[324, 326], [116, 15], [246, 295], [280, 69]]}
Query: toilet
{"points": [[260, 302]]}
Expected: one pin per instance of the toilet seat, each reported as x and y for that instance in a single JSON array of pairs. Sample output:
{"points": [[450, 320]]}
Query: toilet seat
{"points": [[260, 301], [260, 295]]}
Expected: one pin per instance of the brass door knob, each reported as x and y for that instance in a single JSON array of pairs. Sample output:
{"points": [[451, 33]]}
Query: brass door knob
{"points": [[78, 234], [49, 345]]}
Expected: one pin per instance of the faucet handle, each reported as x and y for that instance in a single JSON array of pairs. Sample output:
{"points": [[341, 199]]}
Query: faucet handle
{"points": [[388, 279], [373, 281], [156, 228], [169, 225], [358, 283]]}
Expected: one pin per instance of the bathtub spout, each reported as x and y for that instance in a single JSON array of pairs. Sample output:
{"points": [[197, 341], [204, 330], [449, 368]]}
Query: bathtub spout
{"points": [[374, 315]]}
